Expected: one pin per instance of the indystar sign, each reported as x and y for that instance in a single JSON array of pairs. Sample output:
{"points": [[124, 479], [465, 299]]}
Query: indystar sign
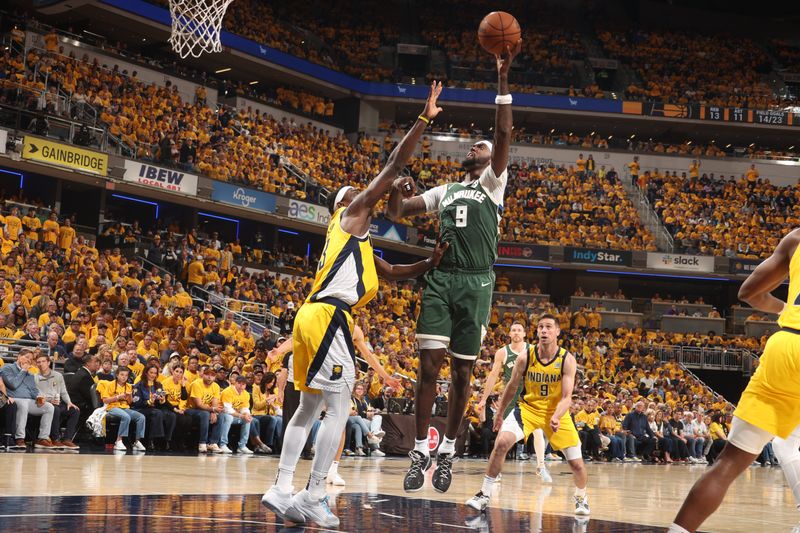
{"points": [[597, 257], [160, 178]]}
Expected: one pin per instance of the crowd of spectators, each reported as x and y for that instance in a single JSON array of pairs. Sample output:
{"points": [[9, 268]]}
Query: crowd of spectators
{"points": [[722, 215]]}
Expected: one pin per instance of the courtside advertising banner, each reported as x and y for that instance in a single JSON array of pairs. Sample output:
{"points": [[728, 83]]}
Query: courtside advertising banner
{"points": [[242, 197], [167, 179], [65, 155], [688, 263], [592, 256], [309, 212]]}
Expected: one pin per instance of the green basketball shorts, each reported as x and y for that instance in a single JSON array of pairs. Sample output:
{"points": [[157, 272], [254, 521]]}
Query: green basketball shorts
{"points": [[455, 311]]}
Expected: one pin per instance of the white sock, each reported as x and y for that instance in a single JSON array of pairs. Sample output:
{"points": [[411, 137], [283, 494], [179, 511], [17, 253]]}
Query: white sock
{"points": [[539, 447], [316, 486], [334, 469], [580, 493], [786, 451], [675, 528], [448, 446], [488, 484], [285, 478], [421, 445]]}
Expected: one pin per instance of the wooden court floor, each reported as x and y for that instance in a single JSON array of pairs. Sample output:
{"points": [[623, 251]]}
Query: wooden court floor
{"points": [[144, 493]]}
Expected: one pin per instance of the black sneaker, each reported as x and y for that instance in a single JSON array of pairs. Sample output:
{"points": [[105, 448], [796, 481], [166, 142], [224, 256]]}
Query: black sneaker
{"points": [[442, 476], [415, 477]]}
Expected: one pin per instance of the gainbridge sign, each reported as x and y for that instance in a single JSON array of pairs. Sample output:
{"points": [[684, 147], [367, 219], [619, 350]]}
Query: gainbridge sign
{"points": [[65, 155]]}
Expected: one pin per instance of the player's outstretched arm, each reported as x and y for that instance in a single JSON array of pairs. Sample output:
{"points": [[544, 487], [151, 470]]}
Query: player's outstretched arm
{"points": [[354, 220], [769, 275], [567, 386], [397, 272], [503, 121], [491, 379], [511, 389], [372, 360]]}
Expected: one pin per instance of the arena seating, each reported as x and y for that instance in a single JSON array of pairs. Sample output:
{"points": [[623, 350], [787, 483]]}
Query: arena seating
{"points": [[728, 216]]}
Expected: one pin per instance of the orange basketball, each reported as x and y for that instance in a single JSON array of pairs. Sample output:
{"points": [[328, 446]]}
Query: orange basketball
{"points": [[498, 30]]}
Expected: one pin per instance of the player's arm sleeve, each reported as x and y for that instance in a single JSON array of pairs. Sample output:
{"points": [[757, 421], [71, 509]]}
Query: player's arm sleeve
{"points": [[433, 197], [493, 184]]}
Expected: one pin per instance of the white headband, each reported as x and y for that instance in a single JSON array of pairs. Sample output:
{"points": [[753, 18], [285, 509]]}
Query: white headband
{"points": [[340, 195], [487, 143]]}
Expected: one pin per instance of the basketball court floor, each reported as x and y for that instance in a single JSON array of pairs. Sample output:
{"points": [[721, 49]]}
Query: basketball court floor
{"points": [[151, 493]]}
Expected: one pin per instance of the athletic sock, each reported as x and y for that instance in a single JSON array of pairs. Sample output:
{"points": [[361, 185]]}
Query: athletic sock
{"points": [[488, 484], [285, 478], [675, 528], [448, 446], [334, 469], [580, 493], [421, 445], [316, 486]]}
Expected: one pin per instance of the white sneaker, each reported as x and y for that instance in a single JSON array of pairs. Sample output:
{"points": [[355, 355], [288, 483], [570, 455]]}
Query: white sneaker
{"points": [[373, 440], [304, 508], [139, 447], [224, 450], [277, 501], [335, 479], [360, 452], [244, 450], [378, 453], [202, 448], [379, 434], [582, 506], [479, 502], [119, 446], [544, 474], [213, 448]]}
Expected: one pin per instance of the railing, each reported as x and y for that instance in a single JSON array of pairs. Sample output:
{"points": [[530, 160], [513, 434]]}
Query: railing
{"points": [[219, 303], [10, 347], [703, 383], [649, 218], [730, 359], [63, 129]]}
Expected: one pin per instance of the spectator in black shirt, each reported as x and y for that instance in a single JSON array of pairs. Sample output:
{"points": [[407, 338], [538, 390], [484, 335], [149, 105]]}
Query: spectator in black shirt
{"points": [[78, 357]]}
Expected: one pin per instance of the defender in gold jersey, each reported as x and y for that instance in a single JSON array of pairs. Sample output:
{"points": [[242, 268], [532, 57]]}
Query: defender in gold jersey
{"points": [[324, 356], [548, 373], [770, 405]]}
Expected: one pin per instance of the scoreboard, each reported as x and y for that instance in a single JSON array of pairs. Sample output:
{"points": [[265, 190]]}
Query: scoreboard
{"points": [[754, 116]]}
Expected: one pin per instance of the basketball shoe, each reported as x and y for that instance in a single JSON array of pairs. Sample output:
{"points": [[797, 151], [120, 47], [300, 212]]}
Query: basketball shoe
{"points": [[304, 508], [443, 475], [415, 477]]}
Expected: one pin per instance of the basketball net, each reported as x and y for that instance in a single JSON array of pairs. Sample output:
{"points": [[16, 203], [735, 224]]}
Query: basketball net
{"points": [[196, 26]]}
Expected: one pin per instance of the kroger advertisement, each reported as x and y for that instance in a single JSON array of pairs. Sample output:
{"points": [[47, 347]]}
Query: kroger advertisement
{"points": [[242, 197]]}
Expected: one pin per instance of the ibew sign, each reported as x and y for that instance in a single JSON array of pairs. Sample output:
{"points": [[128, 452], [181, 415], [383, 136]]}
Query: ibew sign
{"points": [[160, 178]]}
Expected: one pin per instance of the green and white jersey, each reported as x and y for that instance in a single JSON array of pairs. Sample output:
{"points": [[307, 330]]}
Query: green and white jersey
{"points": [[469, 219], [508, 369]]}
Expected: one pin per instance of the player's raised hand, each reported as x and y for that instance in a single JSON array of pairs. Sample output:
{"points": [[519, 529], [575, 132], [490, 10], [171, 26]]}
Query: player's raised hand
{"points": [[431, 107], [438, 252], [504, 60]]}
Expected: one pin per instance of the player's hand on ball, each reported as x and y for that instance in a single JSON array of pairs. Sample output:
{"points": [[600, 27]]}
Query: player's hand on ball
{"points": [[504, 60], [406, 186], [431, 109], [438, 252], [555, 423]]}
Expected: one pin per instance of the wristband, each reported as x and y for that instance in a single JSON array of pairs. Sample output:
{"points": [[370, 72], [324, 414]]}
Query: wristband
{"points": [[424, 119], [503, 99]]}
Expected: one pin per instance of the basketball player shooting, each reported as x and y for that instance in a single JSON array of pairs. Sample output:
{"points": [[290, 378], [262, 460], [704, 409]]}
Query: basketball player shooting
{"points": [[458, 295], [324, 355], [770, 405]]}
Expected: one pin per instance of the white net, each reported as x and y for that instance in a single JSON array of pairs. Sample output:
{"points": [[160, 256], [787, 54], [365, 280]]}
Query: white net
{"points": [[196, 26]]}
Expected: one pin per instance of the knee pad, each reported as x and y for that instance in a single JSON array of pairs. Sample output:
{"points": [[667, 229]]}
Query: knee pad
{"points": [[785, 450]]}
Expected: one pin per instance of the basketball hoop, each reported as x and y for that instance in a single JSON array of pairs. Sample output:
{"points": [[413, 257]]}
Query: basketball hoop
{"points": [[196, 26]]}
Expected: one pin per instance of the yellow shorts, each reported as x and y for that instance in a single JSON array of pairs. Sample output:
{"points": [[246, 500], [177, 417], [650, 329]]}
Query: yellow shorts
{"points": [[522, 421], [324, 357], [771, 400]]}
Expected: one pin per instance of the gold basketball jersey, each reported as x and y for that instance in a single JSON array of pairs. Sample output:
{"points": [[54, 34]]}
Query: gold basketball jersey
{"points": [[543, 381], [790, 318], [346, 269]]}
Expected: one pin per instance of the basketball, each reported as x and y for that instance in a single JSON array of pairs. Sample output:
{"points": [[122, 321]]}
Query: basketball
{"points": [[498, 30]]}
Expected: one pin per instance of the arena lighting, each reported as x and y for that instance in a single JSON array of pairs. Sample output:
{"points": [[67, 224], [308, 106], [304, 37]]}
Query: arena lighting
{"points": [[644, 275], [122, 197], [591, 134], [534, 267], [220, 71], [254, 82], [290, 232], [308, 250], [235, 221], [791, 147], [728, 145], [22, 177]]}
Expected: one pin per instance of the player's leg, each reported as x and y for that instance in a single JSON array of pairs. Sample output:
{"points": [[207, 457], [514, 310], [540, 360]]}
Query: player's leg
{"points": [[511, 432], [566, 440], [539, 447], [744, 444], [433, 335], [470, 302], [788, 455], [333, 472]]}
